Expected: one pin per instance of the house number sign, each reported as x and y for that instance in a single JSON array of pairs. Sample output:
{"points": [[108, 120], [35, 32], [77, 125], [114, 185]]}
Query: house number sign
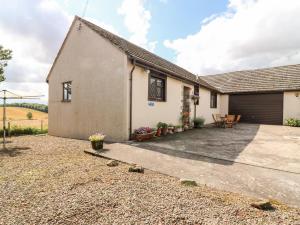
{"points": [[151, 103]]}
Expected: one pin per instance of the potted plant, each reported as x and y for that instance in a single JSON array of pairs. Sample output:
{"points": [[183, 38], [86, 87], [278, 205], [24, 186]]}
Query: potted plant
{"points": [[97, 141], [144, 133], [198, 122], [159, 128], [164, 128], [178, 128], [171, 128]]}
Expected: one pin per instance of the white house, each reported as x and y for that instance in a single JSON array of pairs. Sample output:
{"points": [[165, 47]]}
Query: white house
{"points": [[100, 82]]}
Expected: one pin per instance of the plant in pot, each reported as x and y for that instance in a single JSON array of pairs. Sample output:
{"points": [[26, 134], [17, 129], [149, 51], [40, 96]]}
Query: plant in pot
{"points": [[159, 128], [97, 141], [171, 128], [144, 133], [198, 122], [178, 128], [164, 128]]}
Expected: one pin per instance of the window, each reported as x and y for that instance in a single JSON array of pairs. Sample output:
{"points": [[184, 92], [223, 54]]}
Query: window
{"points": [[213, 99], [157, 88], [67, 94]]}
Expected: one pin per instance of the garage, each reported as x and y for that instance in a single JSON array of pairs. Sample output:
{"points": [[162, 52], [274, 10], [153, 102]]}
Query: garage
{"points": [[258, 108]]}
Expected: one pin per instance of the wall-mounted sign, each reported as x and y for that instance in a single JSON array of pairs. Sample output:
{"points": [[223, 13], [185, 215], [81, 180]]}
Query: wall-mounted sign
{"points": [[151, 103]]}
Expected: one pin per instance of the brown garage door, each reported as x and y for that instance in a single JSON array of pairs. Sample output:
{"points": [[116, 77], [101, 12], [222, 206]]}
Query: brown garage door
{"points": [[257, 108]]}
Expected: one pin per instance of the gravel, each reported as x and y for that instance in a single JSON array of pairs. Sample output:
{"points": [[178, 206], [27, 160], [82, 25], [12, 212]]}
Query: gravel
{"points": [[50, 180]]}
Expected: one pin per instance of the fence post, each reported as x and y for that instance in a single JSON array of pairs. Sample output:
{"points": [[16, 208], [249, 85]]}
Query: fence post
{"points": [[8, 128], [41, 125]]}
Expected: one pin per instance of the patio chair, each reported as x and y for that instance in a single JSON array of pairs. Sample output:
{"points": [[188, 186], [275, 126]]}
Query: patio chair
{"points": [[237, 119], [230, 121], [217, 120]]}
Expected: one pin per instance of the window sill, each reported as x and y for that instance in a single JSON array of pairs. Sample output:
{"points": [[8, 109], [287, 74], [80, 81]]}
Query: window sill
{"points": [[65, 101], [156, 100]]}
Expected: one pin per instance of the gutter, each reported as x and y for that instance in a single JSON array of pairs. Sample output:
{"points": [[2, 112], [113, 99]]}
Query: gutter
{"points": [[130, 98]]}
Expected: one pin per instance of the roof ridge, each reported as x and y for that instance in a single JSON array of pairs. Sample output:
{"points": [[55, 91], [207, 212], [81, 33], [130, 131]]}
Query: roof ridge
{"points": [[252, 70]]}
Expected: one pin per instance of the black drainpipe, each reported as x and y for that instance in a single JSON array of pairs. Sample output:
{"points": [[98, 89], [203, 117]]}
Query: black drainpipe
{"points": [[130, 99]]}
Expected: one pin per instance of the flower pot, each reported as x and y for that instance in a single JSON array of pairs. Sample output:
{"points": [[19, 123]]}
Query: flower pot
{"points": [[97, 145], [158, 132], [144, 137], [171, 130], [165, 131]]}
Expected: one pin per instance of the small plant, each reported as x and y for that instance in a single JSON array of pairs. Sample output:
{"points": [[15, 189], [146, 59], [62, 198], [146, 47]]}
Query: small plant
{"points": [[143, 130], [97, 141], [163, 127], [144, 133], [29, 115], [97, 137], [159, 125], [198, 122], [293, 122]]}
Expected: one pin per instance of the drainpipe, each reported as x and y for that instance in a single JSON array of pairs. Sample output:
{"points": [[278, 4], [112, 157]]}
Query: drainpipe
{"points": [[130, 98]]}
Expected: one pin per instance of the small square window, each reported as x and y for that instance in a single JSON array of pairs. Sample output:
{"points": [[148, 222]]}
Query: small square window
{"points": [[67, 92]]}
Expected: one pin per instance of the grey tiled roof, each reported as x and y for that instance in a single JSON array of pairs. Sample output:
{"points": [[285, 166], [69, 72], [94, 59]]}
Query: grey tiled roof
{"points": [[282, 78], [144, 56]]}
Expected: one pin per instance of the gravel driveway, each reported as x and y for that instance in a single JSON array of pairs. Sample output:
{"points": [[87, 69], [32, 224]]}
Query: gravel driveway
{"points": [[49, 180]]}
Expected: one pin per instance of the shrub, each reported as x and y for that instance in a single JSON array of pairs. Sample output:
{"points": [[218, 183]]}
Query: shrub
{"points": [[162, 125], [29, 115], [17, 131], [198, 122], [293, 122]]}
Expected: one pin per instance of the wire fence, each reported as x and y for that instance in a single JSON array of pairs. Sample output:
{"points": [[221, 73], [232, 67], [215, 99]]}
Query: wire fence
{"points": [[41, 124]]}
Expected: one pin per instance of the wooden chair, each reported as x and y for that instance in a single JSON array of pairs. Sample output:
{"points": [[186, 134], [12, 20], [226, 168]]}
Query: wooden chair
{"points": [[230, 121], [237, 119], [217, 120]]}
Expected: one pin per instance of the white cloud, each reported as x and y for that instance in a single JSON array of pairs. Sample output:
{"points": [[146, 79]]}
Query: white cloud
{"points": [[137, 21], [250, 34], [34, 30]]}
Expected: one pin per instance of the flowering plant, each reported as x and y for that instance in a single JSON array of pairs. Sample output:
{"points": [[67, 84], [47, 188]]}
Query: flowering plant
{"points": [[97, 137], [143, 130]]}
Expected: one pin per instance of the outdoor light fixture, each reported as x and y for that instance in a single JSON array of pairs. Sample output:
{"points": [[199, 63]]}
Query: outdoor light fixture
{"points": [[147, 71], [297, 94]]}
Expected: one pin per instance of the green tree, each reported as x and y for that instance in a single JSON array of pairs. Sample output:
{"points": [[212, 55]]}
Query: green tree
{"points": [[5, 55], [29, 115]]}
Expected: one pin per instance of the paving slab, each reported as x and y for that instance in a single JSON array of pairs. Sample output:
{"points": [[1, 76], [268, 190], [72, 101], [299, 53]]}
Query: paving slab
{"points": [[230, 176]]}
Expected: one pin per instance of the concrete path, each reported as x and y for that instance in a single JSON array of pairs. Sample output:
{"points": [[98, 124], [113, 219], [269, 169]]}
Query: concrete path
{"points": [[235, 177]]}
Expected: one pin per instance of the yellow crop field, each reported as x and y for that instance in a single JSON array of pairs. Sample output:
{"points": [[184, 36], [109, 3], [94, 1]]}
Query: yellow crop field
{"points": [[16, 116], [18, 113]]}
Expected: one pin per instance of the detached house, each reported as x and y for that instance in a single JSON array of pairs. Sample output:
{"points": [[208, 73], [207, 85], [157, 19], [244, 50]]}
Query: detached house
{"points": [[100, 82]]}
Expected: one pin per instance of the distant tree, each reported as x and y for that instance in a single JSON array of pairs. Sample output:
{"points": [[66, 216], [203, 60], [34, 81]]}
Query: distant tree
{"points": [[5, 55], [29, 115]]}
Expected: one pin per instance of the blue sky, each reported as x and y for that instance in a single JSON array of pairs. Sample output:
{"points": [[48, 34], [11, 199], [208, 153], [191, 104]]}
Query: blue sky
{"points": [[203, 36], [170, 19]]}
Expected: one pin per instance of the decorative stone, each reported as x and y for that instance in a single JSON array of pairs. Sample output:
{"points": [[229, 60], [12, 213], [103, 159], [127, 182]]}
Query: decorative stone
{"points": [[190, 183], [263, 205], [136, 169], [112, 163]]}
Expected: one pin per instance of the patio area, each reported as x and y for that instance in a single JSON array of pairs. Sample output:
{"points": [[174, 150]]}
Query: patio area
{"points": [[268, 146]]}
